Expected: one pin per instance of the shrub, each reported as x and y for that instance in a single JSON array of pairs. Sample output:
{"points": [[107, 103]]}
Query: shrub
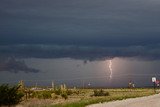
{"points": [[64, 95], [42, 94], [46, 94], [69, 92], [57, 91], [10, 95], [77, 92], [100, 93], [54, 96]]}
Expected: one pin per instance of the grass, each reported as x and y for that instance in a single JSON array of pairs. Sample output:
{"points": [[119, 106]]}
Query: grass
{"points": [[115, 94]]}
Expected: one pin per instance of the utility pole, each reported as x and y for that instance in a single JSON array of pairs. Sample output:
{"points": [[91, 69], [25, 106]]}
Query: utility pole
{"points": [[52, 84], [154, 83]]}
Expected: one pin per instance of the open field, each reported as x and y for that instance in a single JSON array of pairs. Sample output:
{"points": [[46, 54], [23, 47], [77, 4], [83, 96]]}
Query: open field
{"points": [[83, 97]]}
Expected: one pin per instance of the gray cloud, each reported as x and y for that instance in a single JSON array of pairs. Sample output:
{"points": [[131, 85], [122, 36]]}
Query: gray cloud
{"points": [[83, 29], [87, 22], [13, 65], [150, 52]]}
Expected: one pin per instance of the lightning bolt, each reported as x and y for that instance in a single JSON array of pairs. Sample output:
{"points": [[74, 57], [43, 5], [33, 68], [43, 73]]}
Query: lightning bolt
{"points": [[110, 69]]}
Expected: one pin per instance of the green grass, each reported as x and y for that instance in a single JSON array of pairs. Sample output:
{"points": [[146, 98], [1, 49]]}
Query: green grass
{"points": [[115, 94]]}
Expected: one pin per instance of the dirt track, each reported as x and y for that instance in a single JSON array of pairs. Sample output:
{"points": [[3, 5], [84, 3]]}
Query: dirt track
{"points": [[149, 101]]}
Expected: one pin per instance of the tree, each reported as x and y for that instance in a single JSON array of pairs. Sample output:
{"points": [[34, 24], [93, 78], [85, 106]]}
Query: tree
{"points": [[9, 95]]}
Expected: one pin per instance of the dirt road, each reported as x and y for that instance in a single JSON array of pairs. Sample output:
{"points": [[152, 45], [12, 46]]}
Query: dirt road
{"points": [[149, 101]]}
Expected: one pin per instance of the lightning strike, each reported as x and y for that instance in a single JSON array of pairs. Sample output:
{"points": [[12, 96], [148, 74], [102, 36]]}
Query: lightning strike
{"points": [[110, 69]]}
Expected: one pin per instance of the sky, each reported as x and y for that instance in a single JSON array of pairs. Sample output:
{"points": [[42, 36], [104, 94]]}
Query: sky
{"points": [[86, 30], [85, 22]]}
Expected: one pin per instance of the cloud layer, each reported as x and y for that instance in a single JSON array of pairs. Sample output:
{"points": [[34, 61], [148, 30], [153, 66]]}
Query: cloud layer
{"points": [[84, 29], [151, 52], [84, 22], [12, 65]]}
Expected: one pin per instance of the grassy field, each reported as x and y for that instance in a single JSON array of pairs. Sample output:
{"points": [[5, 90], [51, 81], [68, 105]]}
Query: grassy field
{"points": [[81, 97], [114, 94]]}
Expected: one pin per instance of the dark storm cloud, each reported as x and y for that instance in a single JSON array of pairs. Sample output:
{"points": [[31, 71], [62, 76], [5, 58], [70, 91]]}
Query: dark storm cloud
{"points": [[83, 29], [150, 52], [12, 65], [84, 22]]}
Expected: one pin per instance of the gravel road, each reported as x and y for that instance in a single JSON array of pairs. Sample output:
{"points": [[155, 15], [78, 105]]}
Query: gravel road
{"points": [[149, 101]]}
